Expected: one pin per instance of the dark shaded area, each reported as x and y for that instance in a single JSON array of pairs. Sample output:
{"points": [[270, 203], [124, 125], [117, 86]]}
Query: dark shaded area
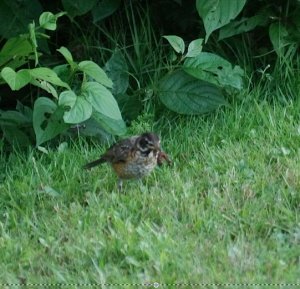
{"points": [[88, 39]]}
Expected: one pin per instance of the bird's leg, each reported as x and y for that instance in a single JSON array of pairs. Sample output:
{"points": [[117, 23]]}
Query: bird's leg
{"points": [[120, 185]]}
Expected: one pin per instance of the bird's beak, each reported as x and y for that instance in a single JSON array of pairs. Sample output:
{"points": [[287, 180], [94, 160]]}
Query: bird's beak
{"points": [[157, 148]]}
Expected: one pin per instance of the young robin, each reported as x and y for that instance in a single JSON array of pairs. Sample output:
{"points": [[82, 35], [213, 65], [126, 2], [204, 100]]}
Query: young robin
{"points": [[134, 157]]}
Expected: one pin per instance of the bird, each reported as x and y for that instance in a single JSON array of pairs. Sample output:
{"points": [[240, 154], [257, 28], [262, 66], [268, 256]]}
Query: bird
{"points": [[133, 157]]}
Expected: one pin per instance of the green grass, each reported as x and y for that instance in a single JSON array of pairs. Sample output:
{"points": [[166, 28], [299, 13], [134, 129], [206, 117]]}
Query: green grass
{"points": [[227, 211]]}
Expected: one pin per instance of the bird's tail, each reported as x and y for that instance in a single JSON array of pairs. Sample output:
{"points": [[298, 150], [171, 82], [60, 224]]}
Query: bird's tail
{"points": [[94, 163]]}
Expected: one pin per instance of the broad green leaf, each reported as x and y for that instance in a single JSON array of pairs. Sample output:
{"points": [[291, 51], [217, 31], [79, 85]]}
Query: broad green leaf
{"points": [[15, 80], [47, 120], [44, 73], [17, 125], [195, 48], [16, 136], [15, 16], [78, 7], [217, 13], [101, 99], [13, 118], [176, 42], [14, 63], [117, 70], [21, 117], [67, 55], [241, 26], [214, 69], [63, 71], [113, 126], [185, 94], [48, 20], [279, 37], [78, 109], [95, 71], [130, 105], [25, 110], [104, 9], [67, 98], [15, 49], [79, 112], [233, 77], [94, 128]]}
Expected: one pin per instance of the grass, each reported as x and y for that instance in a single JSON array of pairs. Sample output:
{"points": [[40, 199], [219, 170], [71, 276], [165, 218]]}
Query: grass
{"points": [[227, 211]]}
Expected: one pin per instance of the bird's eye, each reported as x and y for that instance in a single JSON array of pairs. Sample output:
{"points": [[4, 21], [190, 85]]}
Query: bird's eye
{"points": [[143, 142]]}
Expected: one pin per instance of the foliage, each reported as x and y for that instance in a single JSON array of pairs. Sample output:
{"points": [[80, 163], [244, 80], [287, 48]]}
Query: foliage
{"points": [[208, 65], [217, 13], [187, 95], [197, 92], [89, 98]]}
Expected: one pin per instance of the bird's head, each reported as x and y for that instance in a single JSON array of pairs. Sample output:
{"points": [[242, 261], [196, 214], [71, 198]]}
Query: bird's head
{"points": [[148, 142]]}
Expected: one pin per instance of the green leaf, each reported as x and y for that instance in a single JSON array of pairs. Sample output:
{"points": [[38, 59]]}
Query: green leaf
{"points": [[15, 16], [130, 105], [241, 26], [104, 9], [67, 55], [78, 7], [63, 71], [45, 86], [185, 94], [113, 126], [79, 112], [13, 118], [195, 48], [46, 74], [19, 118], [16, 136], [214, 69], [48, 20], [79, 109], [15, 80], [15, 49], [176, 42], [25, 110], [117, 70], [94, 128], [47, 120], [43, 150], [33, 41], [279, 37], [95, 71], [101, 99], [217, 13], [67, 99], [17, 125]]}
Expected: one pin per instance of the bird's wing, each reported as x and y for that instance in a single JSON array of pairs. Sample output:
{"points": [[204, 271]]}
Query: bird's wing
{"points": [[120, 151]]}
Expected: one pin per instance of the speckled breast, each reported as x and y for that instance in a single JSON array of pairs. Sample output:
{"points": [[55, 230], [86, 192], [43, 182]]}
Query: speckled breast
{"points": [[138, 167]]}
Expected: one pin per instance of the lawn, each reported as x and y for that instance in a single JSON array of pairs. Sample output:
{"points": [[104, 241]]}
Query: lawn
{"points": [[226, 212]]}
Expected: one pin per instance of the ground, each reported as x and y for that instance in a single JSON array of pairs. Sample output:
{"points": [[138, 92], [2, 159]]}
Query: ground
{"points": [[226, 211]]}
